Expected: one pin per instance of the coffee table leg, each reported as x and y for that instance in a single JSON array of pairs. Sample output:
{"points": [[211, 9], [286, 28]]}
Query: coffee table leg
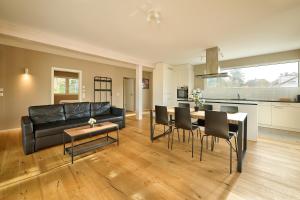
{"points": [[118, 136], [72, 149], [64, 143]]}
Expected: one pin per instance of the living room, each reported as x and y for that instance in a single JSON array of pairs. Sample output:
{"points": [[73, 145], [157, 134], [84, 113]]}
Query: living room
{"points": [[149, 99]]}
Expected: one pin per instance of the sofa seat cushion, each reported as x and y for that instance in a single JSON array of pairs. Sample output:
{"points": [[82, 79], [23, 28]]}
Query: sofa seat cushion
{"points": [[108, 118], [54, 128]]}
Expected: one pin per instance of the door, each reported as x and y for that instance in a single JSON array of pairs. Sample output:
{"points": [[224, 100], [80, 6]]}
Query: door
{"points": [[129, 94]]}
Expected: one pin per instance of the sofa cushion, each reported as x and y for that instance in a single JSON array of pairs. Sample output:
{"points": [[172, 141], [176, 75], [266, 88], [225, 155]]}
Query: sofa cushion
{"points": [[102, 108], [77, 110], [46, 114], [108, 118], [54, 128]]}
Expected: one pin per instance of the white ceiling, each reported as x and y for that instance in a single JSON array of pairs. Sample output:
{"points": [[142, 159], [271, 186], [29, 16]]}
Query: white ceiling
{"points": [[239, 27]]}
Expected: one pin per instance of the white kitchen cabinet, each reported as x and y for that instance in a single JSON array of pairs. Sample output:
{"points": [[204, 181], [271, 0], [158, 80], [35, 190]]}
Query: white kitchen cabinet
{"points": [[264, 113], [286, 116]]}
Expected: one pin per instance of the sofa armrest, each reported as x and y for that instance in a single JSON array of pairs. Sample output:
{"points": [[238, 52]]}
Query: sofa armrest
{"points": [[27, 135], [119, 112]]}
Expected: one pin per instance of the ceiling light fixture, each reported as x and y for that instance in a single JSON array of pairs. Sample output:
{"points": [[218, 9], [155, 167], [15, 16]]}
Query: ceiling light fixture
{"points": [[154, 16]]}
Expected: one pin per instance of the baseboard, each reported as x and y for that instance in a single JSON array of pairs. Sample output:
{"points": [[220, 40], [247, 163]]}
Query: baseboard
{"points": [[279, 128], [11, 129]]}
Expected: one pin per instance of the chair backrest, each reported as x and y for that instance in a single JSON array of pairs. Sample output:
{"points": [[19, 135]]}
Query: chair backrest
{"points": [[229, 109], [206, 107], [161, 115], [183, 118], [216, 124], [184, 105]]}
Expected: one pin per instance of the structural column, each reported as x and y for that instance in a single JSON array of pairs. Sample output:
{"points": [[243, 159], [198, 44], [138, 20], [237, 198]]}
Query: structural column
{"points": [[139, 92]]}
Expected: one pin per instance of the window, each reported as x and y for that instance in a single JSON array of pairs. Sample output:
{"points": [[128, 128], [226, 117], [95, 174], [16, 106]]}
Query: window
{"points": [[65, 85], [73, 86], [264, 76], [59, 85]]}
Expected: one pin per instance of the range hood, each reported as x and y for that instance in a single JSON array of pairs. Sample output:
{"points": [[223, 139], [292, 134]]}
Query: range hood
{"points": [[212, 69]]}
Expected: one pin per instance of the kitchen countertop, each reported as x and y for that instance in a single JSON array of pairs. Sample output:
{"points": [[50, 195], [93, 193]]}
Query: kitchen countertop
{"points": [[238, 101]]}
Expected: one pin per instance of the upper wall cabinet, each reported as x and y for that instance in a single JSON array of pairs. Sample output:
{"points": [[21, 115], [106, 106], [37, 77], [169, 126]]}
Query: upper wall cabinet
{"points": [[184, 76]]}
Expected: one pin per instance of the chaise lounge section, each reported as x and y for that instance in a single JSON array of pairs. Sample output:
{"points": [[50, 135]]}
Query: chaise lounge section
{"points": [[45, 124]]}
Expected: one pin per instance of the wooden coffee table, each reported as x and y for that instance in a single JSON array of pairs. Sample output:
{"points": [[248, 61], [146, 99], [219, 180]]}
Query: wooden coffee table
{"points": [[82, 131]]}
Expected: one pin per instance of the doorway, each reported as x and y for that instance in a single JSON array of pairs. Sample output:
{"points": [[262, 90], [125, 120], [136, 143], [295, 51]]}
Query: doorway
{"points": [[129, 94], [65, 85]]}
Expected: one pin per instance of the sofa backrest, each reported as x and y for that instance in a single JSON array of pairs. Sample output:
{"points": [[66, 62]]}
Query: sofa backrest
{"points": [[101, 108], [77, 110], [46, 113]]}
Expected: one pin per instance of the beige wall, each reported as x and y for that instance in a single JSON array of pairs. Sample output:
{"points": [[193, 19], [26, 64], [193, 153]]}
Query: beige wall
{"points": [[147, 93], [21, 92]]}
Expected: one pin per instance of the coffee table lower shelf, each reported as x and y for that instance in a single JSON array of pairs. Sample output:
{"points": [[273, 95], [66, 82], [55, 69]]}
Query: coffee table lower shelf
{"points": [[89, 146]]}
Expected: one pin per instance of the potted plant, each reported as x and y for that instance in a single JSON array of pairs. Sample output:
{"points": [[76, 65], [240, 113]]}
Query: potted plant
{"points": [[198, 98], [92, 122]]}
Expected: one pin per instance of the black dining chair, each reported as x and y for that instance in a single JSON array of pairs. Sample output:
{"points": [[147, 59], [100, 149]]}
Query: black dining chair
{"points": [[184, 105], [183, 121], [201, 122], [216, 125], [162, 118], [231, 110]]}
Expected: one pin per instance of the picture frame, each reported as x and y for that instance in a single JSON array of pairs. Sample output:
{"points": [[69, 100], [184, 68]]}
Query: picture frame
{"points": [[145, 83]]}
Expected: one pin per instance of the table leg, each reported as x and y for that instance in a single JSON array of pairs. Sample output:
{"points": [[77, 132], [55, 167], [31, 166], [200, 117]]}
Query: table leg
{"points": [[245, 135], [64, 143], [240, 146], [151, 126], [118, 136], [72, 149]]}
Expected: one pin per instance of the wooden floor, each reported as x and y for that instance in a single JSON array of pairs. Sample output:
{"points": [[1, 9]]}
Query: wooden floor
{"points": [[139, 169]]}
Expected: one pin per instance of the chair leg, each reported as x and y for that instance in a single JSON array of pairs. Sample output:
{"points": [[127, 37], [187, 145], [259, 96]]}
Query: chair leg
{"points": [[189, 136], [212, 143], [178, 135], [192, 144], [207, 142], [169, 132], [201, 147], [230, 157], [183, 136], [172, 139]]}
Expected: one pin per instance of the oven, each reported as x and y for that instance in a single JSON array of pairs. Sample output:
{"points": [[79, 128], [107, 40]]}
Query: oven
{"points": [[182, 93]]}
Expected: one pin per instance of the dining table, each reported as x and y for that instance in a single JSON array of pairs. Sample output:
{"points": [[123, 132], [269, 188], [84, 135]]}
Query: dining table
{"points": [[238, 118]]}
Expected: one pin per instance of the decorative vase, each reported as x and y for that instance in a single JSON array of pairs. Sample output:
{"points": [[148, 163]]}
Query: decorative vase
{"points": [[196, 108], [92, 125]]}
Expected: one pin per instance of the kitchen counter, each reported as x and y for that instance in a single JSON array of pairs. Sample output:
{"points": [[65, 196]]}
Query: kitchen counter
{"points": [[238, 101]]}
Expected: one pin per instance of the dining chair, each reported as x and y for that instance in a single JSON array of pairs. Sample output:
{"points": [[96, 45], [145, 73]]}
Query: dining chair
{"points": [[184, 105], [183, 121], [162, 118], [201, 122], [216, 125], [231, 110]]}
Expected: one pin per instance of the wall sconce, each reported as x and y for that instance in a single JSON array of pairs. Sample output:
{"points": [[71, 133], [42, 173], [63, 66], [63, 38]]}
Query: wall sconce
{"points": [[26, 71]]}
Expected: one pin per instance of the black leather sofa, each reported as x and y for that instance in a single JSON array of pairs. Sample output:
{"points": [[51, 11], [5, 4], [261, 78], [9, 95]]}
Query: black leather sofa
{"points": [[45, 124]]}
